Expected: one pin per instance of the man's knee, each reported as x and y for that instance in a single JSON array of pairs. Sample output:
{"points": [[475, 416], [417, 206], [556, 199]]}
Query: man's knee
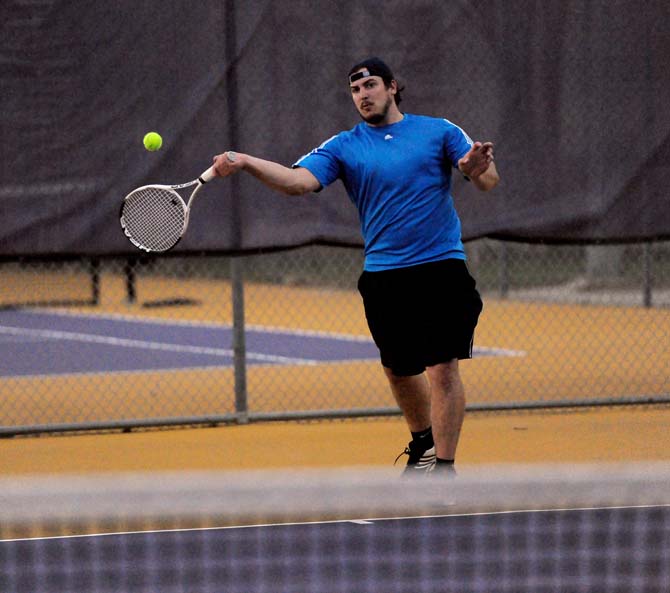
{"points": [[445, 376]]}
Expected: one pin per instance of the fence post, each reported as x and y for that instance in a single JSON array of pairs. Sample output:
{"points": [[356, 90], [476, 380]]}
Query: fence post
{"points": [[503, 270], [239, 340], [94, 267], [129, 273], [648, 280], [236, 263]]}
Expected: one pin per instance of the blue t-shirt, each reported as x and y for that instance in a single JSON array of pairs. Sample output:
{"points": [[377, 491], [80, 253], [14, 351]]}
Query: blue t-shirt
{"points": [[399, 178]]}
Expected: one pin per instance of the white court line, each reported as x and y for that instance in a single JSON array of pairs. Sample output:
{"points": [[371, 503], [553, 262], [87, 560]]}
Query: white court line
{"points": [[199, 323], [478, 350], [46, 334], [370, 521]]}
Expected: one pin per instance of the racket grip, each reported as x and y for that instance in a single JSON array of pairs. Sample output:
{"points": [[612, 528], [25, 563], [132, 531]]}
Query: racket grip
{"points": [[207, 175]]}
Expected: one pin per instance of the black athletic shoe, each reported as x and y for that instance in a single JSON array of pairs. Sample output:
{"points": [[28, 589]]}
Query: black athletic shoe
{"points": [[421, 461]]}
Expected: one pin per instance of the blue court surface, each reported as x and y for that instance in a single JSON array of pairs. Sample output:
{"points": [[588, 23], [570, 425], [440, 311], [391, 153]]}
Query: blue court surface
{"points": [[51, 343], [45, 342]]}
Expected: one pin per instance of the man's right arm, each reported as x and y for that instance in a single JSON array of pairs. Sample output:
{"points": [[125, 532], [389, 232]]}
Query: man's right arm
{"points": [[292, 182]]}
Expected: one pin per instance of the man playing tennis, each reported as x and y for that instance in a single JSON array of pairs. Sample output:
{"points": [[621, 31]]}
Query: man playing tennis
{"points": [[420, 301]]}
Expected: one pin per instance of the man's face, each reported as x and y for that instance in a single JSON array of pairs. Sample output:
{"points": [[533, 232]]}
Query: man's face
{"points": [[372, 99]]}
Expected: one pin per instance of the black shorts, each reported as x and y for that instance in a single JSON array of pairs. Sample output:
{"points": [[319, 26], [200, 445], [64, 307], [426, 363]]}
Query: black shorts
{"points": [[422, 315]]}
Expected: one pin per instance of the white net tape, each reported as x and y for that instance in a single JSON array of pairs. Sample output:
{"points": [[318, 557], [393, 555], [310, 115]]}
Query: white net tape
{"points": [[493, 530]]}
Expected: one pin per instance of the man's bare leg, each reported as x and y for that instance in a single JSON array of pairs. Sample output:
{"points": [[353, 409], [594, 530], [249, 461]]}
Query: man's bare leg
{"points": [[448, 407], [413, 396]]}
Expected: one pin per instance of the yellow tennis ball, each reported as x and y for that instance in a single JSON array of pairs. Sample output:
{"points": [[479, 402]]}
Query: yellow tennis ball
{"points": [[153, 141]]}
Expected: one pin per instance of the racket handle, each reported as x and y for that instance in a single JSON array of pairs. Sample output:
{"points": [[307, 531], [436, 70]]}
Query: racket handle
{"points": [[207, 175]]}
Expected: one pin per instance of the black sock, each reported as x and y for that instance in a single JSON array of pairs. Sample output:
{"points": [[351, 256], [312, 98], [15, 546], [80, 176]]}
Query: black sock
{"points": [[445, 467], [424, 438]]}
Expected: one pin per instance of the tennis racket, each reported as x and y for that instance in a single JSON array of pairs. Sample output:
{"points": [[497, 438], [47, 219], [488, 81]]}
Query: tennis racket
{"points": [[155, 217]]}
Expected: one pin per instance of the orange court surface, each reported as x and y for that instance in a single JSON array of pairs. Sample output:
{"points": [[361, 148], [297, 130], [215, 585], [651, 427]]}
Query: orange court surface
{"points": [[609, 435], [633, 339]]}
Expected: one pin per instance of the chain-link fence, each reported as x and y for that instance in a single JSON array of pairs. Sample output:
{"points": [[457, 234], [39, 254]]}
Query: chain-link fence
{"points": [[182, 340]]}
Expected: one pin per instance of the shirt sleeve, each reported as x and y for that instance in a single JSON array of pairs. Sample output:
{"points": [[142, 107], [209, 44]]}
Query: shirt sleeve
{"points": [[323, 162], [457, 143]]}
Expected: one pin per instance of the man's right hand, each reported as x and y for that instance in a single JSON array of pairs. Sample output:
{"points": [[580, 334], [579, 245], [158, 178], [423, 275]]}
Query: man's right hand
{"points": [[227, 163]]}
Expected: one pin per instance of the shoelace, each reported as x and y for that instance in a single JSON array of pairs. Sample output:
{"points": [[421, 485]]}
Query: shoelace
{"points": [[405, 452]]}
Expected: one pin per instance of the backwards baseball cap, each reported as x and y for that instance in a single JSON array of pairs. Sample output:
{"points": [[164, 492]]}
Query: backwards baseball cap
{"points": [[370, 67]]}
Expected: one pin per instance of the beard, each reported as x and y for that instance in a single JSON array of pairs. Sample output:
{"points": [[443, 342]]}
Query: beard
{"points": [[377, 118]]}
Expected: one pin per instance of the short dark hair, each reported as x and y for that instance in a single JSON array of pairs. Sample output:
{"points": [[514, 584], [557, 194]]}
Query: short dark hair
{"points": [[377, 67]]}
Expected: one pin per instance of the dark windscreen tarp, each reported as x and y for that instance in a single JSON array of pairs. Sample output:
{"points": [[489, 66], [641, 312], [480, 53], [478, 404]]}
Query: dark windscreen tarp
{"points": [[574, 95]]}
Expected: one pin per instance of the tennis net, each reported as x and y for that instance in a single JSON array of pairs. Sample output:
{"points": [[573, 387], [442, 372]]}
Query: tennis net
{"points": [[510, 529]]}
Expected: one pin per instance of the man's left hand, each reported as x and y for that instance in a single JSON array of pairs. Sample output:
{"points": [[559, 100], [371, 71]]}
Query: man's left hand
{"points": [[477, 160]]}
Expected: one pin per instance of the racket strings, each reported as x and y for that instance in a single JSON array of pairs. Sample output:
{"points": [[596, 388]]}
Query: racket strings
{"points": [[153, 218]]}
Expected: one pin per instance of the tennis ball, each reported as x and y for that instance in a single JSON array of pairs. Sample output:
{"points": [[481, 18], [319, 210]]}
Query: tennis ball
{"points": [[153, 141]]}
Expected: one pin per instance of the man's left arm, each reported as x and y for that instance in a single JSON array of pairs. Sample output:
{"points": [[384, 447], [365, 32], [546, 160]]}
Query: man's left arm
{"points": [[477, 165]]}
